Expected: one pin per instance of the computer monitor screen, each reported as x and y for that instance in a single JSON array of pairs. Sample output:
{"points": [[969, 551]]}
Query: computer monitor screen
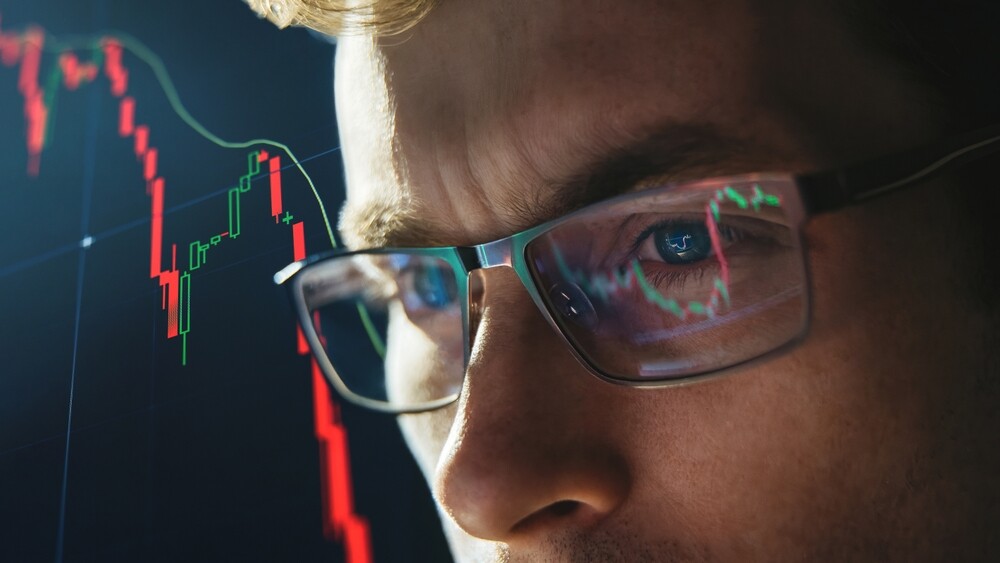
{"points": [[159, 162]]}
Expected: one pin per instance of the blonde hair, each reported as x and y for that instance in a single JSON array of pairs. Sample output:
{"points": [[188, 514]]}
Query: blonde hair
{"points": [[338, 17]]}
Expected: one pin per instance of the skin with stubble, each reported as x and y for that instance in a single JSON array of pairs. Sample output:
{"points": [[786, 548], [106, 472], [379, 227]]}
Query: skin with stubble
{"points": [[873, 440]]}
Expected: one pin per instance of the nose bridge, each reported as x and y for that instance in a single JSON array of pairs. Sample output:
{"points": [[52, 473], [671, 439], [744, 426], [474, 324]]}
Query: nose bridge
{"points": [[494, 256], [488, 256], [496, 253]]}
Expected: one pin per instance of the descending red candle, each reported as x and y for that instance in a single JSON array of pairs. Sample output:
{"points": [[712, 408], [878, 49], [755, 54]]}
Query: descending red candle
{"points": [[141, 140], [10, 48], [35, 113], [275, 169], [126, 116], [149, 164], [31, 58], [113, 69], [156, 230], [70, 66], [298, 241], [170, 282], [299, 253]]}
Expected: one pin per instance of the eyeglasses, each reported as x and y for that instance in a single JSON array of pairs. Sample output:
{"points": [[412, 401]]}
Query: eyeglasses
{"points": [[665, 286]]}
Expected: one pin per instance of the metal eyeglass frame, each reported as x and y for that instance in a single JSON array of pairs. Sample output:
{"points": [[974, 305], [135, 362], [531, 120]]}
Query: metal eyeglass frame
{"points": [[820, 192]]}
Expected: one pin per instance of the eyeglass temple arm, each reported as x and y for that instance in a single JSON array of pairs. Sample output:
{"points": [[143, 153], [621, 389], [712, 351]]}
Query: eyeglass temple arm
{"points": [[831, 190]]}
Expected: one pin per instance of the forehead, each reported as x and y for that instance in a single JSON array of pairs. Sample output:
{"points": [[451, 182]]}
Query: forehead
{"points": [[454, 132]]}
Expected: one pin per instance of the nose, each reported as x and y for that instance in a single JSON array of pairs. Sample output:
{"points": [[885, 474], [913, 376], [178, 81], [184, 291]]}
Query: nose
{"points": [[530, 451]]}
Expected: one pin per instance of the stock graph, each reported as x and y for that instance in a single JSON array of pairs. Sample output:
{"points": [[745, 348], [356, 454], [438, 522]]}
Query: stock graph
{"points": [[158, 402]]}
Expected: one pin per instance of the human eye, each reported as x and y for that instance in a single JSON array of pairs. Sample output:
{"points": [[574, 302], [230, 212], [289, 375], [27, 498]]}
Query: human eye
{"points": [[428, 287], [672, 249], [683, 262]]}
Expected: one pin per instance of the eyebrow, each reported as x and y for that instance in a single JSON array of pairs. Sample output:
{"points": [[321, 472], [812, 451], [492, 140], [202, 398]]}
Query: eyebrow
{"points": [[669, 153]]}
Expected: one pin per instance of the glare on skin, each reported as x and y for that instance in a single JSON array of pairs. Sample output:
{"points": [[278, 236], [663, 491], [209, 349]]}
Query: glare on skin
{"points": [[853, 446]]}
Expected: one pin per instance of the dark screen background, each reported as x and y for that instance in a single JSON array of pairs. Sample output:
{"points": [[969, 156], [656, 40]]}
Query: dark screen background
{"points": [[110, 448]]}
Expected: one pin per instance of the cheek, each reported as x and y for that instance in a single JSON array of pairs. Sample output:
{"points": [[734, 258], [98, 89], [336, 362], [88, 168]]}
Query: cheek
{"points": [[762, 460], [425, 435], [411, 358]]}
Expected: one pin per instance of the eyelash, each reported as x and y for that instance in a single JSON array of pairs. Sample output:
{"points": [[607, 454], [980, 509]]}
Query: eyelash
{"points": [[674, 277], [725, 231]]}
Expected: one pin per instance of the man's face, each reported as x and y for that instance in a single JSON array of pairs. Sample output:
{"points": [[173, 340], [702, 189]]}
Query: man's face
{"points": [[865, 442]]}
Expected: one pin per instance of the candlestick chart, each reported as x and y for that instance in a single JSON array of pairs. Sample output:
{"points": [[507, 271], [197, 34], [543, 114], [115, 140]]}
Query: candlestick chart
{"points": [[156, 390]]}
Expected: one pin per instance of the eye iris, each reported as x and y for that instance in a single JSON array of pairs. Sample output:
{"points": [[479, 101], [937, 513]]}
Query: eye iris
{"points": [[435, 287], [684, 243]]}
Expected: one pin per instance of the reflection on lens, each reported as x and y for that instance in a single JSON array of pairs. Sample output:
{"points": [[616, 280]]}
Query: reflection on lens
{"points": [[679, 282], [434, 286], [572, 304]]}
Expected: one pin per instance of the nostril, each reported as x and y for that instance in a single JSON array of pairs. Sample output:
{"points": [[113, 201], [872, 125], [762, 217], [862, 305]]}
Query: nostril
{"points": [[564, 507], [550, 517]]}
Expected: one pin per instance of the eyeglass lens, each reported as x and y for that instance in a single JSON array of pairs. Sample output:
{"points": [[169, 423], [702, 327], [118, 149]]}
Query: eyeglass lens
{"points": [[381, 318], [683, 282]]}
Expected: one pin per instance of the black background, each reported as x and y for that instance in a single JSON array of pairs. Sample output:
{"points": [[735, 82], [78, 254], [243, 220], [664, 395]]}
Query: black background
{"points": [[215, 460]]}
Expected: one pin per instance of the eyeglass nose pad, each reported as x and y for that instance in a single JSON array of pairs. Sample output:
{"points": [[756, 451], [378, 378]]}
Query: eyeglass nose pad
{"points": [[477, 291], [572, 304]]}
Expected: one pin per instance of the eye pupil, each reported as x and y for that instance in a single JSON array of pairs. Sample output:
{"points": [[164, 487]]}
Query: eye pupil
{"points": [[683, 243], [680, 244]]}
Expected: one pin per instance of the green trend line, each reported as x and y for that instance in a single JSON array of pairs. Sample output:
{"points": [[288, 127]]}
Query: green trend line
{"points": [[373, 335], [154, 62]]}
